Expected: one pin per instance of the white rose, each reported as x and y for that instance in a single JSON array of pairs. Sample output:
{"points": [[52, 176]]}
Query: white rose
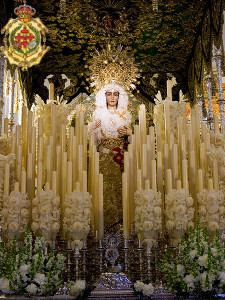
{"points": [[55, 227], [24, 213], [40, 278], [181, 210], [189, 201], [193, 253], [80, 284], [213, 226], [180, 269], [4, 286], [24, 269], [35, 201], [157, 211], [189, 278], [31, 289], [148, 289], [203, 260], [139, 285], [221, 210], [56, 201], [34, 226], [77, 226], [13, 226], [170, 225], [148, 225], [213, 208]]}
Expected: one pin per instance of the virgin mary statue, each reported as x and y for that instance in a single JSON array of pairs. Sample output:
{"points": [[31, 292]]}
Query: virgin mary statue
{"points": [[111, 125]]}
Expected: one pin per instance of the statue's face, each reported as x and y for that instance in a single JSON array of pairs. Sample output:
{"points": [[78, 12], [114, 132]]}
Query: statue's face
{"points": [[112, 97]]}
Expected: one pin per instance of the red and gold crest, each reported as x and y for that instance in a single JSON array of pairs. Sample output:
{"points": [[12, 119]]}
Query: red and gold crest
{"points": [[24, 38]]}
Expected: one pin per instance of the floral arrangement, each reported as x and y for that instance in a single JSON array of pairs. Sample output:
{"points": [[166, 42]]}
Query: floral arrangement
{"points": [[143, 288], [77, 217], [211, 209], [176, 109], [15, 215], [76, 289], [27, 271], [197, 266], [148, 214], [46, 212], [179, 213]]}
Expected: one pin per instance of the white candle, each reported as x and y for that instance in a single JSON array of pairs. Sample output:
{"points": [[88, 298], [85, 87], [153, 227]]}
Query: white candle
{"points": [[168, 180], [69, 177], [144, 162], [51, 91], [159, 172], [54, 182], [23, 181], [216, 123], [84, 181], [169, 88], [200, 181], [16, 186], [178, 184], [153, 174], [210, 184], [47, 186], [30, 190], [39, 177], [175, 164], [167, 121], [6, 126], [6, 179], [147, 184], [158, 136], [139, 181], [184, 175], [215, 175], [77, 186]]}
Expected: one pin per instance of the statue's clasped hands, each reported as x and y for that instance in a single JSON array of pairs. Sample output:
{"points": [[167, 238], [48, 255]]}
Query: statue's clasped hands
{"points": [[125, 130]]}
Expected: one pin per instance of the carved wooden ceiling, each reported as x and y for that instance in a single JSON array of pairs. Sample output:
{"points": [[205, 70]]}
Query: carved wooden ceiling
{"points": [[163, 40]]}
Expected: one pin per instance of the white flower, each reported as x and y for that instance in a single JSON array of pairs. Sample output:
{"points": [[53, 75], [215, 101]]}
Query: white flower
{"points": [[148, 225], [170, 225], [189, 201], [189, 278], [40, 278], [139, 285], [180, 269], [193, 253], [80, 284], [203, 260], [24, 269], [222, 277], [4, 286], [148, 289], [31, 289], [202, 210], [157, 211], [13, 226]]}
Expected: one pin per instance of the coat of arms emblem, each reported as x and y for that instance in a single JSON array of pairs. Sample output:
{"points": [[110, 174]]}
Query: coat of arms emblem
{"points": [[24, 38]]}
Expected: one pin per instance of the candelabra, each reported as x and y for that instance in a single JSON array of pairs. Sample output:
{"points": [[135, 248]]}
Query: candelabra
{"points": [[220, 101]]}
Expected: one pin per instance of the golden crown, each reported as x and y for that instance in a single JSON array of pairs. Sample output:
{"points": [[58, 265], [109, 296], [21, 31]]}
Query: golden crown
{"points": [[113, 65], [24, 12]]}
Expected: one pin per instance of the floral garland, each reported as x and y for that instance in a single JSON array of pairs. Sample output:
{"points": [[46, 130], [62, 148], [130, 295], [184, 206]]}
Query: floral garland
{"points": [[148, 214], [176, 109], [46, 213], [15, 215], [27, 271], [77, 217], [179, 213], [197, 267], [211, 209]]}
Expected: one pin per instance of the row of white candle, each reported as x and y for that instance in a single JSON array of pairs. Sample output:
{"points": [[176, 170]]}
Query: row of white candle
{"points": [[161, 164]]}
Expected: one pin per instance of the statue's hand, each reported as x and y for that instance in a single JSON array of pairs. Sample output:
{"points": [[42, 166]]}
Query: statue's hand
{"points": [[97, 123], [124, 131]]}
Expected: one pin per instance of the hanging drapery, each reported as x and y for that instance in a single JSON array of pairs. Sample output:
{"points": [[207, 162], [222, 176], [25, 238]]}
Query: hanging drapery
{"points": [[210, 33]]}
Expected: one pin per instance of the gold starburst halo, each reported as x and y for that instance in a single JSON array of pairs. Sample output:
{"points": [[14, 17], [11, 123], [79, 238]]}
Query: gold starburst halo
{"points": [[113, 65]]}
